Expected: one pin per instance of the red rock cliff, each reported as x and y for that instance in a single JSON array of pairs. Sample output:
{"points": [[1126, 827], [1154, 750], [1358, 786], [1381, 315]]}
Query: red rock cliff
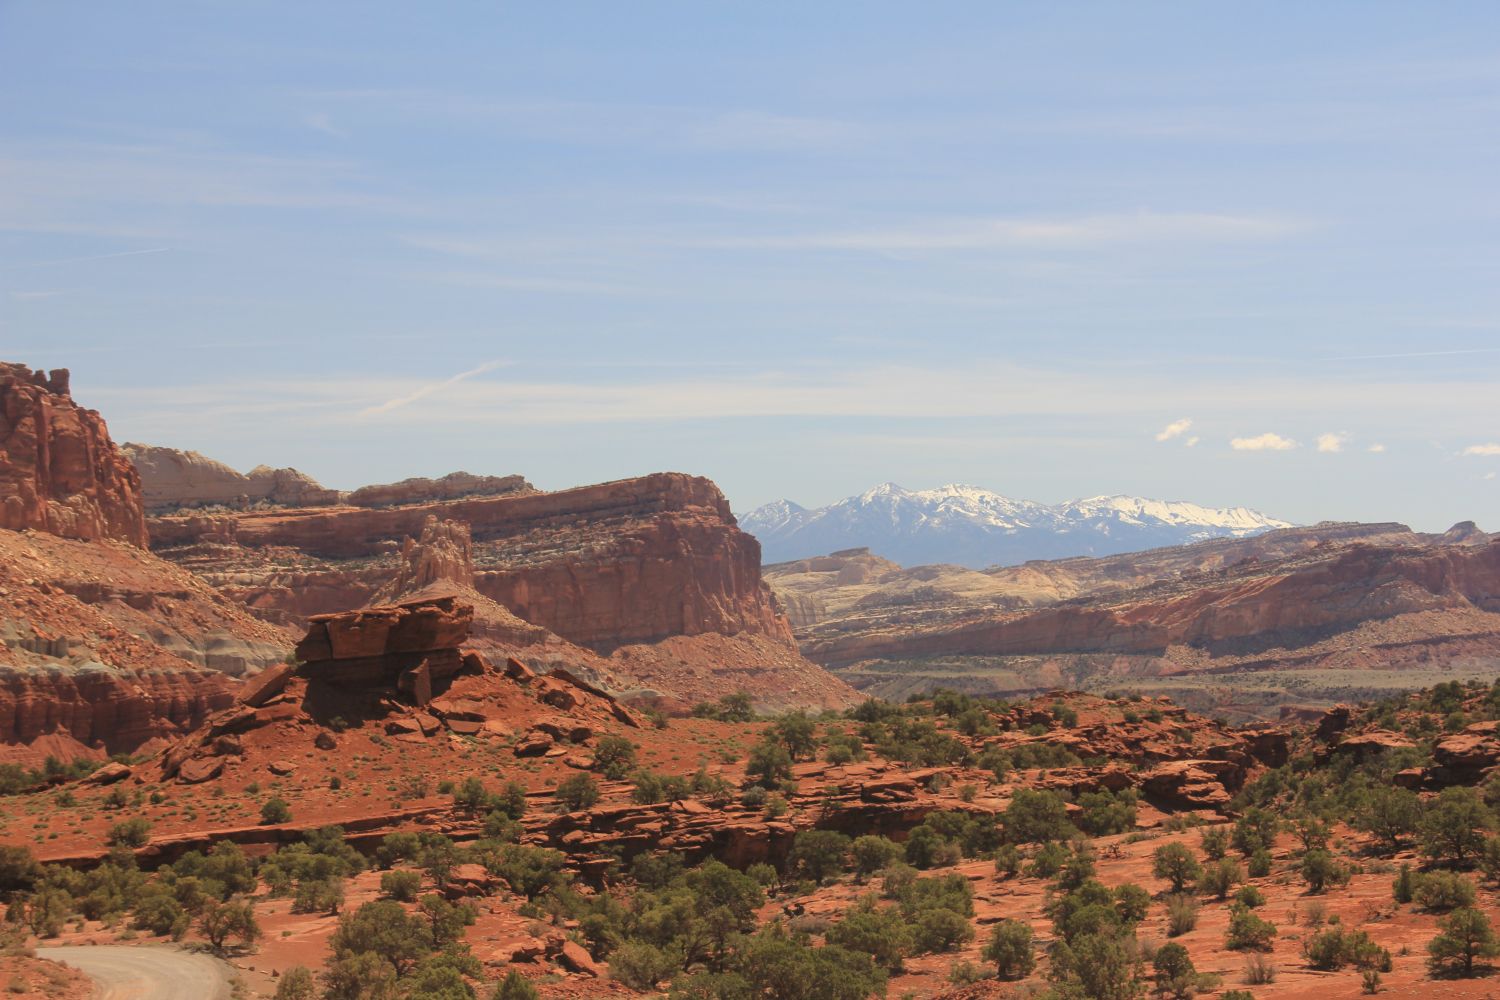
{"points": [[59, 470], [631, 561]]}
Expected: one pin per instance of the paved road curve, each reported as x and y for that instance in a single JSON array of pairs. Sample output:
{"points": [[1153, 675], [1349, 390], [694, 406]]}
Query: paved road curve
{"points": [[145, 973]]}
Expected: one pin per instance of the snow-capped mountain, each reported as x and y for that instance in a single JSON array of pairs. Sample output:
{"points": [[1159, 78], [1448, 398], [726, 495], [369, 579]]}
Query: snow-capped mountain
{"points": [[978, 527]]}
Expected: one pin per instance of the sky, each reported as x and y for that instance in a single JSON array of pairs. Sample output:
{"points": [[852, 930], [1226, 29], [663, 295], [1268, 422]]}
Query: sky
{"points": [[1209, 252]]}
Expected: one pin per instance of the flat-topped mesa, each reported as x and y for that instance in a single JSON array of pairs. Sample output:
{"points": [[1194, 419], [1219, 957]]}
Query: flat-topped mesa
{"points": [[395, 644], [631, 561], [453, 486], [175, 480], [59, 470]]}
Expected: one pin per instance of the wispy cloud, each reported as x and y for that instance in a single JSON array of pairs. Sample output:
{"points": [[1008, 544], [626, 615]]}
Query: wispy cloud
{"points": [[1332, 441], [989, 233], [319, 121], [81, 260], [1376, 449], [1175, 429], [426, 390], [1263, 442], [1483, 449], [1192, 442]]}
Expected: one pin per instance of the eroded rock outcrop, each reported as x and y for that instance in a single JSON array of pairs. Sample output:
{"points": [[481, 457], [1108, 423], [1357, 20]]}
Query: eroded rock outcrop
{"points": [[632, 561], [453, 486], [59, 470], [173, 480]]}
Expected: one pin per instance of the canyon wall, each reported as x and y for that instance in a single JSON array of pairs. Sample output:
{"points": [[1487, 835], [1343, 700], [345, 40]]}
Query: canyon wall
{"points": [[632, 561], [1241, 610], [59, 470]]}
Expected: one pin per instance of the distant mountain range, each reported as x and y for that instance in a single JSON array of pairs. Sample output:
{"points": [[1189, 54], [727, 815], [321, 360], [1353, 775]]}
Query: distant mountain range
{"points": [[976, 527]]}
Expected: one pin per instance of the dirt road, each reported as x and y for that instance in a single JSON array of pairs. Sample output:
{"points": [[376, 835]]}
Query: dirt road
{"points": [[144, 973]]}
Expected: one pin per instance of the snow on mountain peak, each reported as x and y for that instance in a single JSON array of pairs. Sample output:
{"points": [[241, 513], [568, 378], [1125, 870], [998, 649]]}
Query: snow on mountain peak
{"points": [[977, 527]]}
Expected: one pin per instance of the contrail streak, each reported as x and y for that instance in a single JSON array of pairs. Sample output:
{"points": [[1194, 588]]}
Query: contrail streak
{"points": [[426, 390], [80, 260]]}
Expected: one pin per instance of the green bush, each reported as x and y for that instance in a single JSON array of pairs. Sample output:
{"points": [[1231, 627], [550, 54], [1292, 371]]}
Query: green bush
{"points": [[1464, 939], [1247, 932], [401, 885], [1175, 863], [129, 833], [1442, 891], [1010, 949], [275, 810]]}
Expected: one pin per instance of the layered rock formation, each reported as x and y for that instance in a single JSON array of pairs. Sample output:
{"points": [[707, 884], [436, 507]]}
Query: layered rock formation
{"points": [[1344, 605], [646, 574], [173, 480], [453, 486], [636, 560], [103, 646], [59, 470]]}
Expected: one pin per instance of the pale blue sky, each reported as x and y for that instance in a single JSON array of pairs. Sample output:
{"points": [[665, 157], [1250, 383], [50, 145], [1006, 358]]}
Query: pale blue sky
{"points": [[801, 249]]}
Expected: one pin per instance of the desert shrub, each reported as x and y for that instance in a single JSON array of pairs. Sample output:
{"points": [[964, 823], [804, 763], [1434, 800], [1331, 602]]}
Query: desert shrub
{"points": [[221, 921], [614, 757], [1259, 865], [1452, 828], [1048, 860], [1220, 877], [1010, 949], [579, 791], [1036, 817], [1175, 863], [129, 833], [1106, 812], [1259, 969], [1182, 914], [1320, 870], [1249, 895], [1007, 860], [819, 854], [1335, 948], [769, 764], [514, 987], [1247, 932], [296, 983], [1389, 813], [1131, 902], [1441, 891], [401, 885], [872, 853], [1404, 888], [1214, 841], [1174, 972], [939, 929], [324, 895], [275, 810], [1464, 939], [878, 932], [1255, 831]]}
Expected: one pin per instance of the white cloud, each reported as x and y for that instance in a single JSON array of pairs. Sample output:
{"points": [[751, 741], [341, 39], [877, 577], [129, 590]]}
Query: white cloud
{"points": [[1483, 449], [1263, 442], [1376, 448], [1489, 475], [1332, 441], [1175, 429], [1192, 442]]}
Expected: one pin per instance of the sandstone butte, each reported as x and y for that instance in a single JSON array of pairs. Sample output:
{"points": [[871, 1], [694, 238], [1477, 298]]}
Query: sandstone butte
{"points": [[108, 646], [103, 646], [59, 470], [646, 585]]}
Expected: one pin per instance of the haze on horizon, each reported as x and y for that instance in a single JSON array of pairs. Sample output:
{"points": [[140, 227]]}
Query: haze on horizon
{"points": [[1055, 251]]}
